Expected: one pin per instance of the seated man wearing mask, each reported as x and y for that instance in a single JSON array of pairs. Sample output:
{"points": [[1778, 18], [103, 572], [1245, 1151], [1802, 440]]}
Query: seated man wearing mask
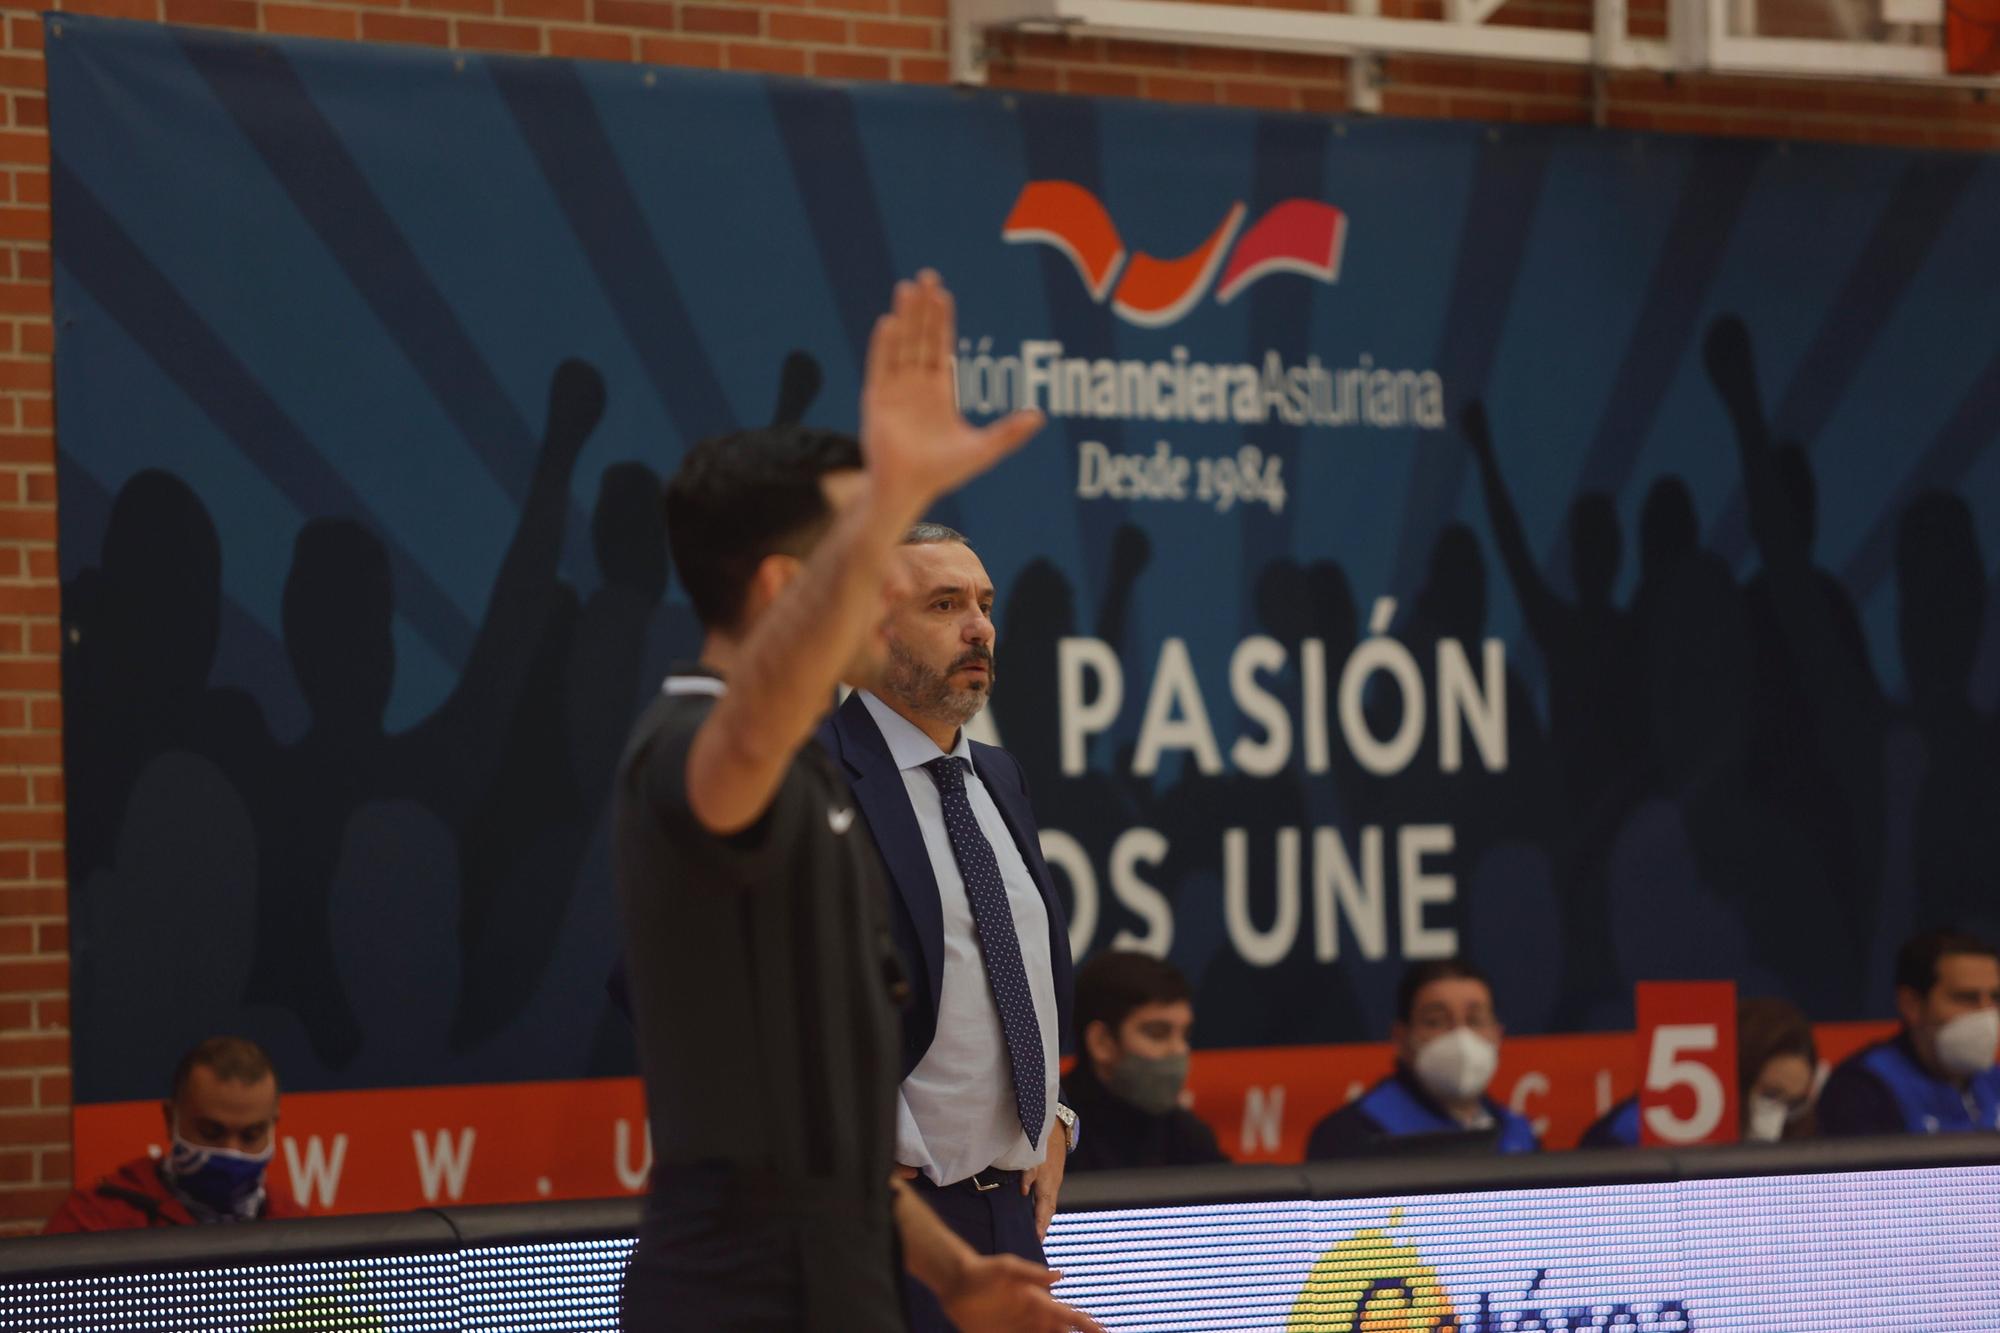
{"points": [[1447, 1041], [1776, 1060], [222, 1122], [1936, 1075], [1133, 1012]]}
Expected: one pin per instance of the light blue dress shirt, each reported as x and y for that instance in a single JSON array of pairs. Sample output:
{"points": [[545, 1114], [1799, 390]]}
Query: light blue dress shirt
{"points": [[955, 1113]]}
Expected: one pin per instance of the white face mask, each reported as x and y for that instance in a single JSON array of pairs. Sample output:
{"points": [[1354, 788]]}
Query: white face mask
{"points": [[1457, 1065], [1768, 1117], [1966, 1045]]}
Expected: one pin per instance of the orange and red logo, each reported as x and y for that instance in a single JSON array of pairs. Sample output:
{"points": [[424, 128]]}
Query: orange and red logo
{"points": [[1296, 236]]}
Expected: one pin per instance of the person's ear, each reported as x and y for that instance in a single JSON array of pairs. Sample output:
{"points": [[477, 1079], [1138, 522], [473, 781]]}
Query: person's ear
{"points": [[771, 577], [775, 573], [1909, 1007], [1098, 1041], [167, 1117], [1399, 1039]]}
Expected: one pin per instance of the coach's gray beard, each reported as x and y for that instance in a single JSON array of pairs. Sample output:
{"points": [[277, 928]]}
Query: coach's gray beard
{"points": [[929, 693]]}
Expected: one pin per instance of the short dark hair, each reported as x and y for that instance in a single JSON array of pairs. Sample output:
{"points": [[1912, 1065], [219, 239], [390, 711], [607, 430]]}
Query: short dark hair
{"points": [[739, 498], [1112, 985], [233, 1059], [1917, 961], [1420, 975], [933, 534]]}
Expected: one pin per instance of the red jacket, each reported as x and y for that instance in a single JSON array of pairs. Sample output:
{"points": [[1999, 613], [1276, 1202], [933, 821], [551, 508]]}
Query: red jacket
{"points": [[135, 1195]]}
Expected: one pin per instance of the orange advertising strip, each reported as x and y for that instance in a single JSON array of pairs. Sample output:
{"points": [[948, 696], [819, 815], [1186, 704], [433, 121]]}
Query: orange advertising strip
{"points": [[388, 1149], [385, 1150]]}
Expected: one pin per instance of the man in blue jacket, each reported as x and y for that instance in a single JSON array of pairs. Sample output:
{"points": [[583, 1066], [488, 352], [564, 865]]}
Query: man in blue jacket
{"points": [[1937, 1075], [980, 1133], [1447, 1040]]}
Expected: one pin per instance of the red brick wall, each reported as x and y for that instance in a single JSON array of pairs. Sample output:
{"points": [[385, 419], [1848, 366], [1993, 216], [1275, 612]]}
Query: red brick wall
{"points": [[34, 925], [902, 40]]}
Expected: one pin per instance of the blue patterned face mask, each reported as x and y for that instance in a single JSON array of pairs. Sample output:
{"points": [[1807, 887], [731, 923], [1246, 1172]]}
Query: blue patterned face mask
{"points": [[222, 1180]]}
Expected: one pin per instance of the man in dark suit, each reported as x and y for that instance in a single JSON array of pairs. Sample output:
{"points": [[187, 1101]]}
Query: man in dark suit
{"points": [[980, 1132]]}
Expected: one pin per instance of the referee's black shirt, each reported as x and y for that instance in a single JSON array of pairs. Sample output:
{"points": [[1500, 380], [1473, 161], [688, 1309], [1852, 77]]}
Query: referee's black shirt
{"points": [[761, 968]]}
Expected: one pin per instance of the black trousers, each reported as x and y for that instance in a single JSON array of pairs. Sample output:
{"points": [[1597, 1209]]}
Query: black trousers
{"points": [[997, 1221], [718, 1252]]}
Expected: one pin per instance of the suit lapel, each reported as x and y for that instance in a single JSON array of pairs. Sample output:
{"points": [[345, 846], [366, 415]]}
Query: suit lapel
{"points": [[885, 802], [1020, 820]]}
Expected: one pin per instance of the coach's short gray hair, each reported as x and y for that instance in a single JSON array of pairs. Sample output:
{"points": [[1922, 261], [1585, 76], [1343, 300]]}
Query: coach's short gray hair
{"points": [[933, 534]]}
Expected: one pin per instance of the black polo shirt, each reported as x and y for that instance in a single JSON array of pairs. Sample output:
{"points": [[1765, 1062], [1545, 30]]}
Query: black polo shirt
{"points": [[760, 970]]}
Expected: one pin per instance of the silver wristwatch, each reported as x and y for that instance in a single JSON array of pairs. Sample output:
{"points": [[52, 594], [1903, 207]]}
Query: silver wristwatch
{"points": [[1067, 1119]]}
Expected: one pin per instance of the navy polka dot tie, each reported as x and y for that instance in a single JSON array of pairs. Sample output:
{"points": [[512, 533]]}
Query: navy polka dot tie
{"points": [[999, 945]]}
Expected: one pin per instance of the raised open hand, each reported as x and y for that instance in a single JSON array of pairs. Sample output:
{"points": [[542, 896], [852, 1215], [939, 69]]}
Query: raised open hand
{"points": [[576, 405], [1131, 552], [917, 444], [1732, 369], [799, 382]]}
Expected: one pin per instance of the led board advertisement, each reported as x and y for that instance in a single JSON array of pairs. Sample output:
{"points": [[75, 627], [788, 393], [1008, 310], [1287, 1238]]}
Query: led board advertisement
{"points": [[1393, 577], [1873, 1250], [1864, 1250]]}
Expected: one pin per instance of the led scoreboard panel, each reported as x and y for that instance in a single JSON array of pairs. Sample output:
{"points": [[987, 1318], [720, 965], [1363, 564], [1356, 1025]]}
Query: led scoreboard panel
{"points": [[1872, 1250], [1877, 1249]]}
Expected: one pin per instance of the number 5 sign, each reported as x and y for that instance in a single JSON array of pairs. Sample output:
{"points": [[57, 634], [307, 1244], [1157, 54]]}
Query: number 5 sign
{"points": [[1687, 1044]]}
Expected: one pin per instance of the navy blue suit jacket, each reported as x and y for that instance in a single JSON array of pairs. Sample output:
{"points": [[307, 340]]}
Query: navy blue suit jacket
{"points": [[916, 912]]}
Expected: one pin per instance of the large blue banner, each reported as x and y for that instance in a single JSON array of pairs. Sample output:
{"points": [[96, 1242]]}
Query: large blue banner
{"points": [[1573, 549]]}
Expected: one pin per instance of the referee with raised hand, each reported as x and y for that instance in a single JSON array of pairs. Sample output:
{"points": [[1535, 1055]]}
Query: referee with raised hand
{"points": [[761, 969]]}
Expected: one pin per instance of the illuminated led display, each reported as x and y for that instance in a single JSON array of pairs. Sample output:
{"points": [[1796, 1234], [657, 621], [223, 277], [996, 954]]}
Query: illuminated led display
{"points": [[1857, 1250]]}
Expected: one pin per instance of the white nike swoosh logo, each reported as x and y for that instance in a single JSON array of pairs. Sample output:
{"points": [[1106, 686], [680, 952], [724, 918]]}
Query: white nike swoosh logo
{"points": [[840, 820]]}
